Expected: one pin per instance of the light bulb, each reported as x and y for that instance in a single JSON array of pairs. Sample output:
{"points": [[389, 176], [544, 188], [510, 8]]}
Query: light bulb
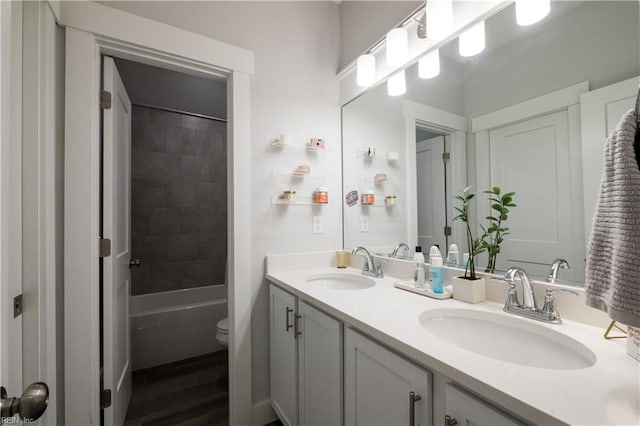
{"points": [[429, 65], [531, 11], [366, 70], [397, 47], [472, 41], [396, 85], [439, 18]]}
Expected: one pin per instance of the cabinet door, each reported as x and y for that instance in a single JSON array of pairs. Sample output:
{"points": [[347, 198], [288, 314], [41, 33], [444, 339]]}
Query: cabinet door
{"points": [[283, 363], [320, 367], [378, 384], [471, 411]]}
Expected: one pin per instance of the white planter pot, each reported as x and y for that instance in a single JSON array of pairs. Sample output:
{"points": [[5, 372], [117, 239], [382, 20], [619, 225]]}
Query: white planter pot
{"points": [[469, 291]]}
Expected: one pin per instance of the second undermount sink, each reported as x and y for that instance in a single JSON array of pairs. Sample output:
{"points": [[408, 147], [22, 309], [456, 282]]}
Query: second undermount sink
{"points": [[509, 339], [341, 281]]}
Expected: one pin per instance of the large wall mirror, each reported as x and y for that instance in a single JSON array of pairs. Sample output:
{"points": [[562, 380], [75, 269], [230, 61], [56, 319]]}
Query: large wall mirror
{"points": [[530, 114]]}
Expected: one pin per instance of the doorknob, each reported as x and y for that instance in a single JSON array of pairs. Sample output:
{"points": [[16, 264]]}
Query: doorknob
{"points": [[134, 262], [30, 406]]}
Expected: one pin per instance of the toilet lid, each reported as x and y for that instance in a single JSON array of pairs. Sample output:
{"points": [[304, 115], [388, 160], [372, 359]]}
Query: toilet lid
{"points": [[223, 325]]}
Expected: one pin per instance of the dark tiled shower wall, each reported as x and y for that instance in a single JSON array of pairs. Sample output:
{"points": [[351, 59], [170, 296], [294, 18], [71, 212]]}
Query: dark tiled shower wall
{"points": [[178, 201]]}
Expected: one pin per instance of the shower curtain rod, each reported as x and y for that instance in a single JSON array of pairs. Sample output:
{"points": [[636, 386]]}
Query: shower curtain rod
{"points": [[193, 114]]}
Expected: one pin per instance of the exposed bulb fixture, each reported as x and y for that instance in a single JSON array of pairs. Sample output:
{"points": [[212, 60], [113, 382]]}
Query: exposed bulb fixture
{"points": [[366, 70], [472, 41], [429, 65], [531, 11], [396, 85], [439, 18], [397, 47]]}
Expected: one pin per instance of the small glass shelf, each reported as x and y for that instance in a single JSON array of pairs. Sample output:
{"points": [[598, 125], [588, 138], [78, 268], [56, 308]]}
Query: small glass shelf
{"points": [[280, 143], [314, 172], [298, 201], [377, 204], [372, 180], [379, 156]]}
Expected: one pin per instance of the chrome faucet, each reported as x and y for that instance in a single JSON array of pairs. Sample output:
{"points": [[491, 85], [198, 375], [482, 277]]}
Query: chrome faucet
{"points": [[370, 267], [397, 248], [556, 265], [529, 308]]}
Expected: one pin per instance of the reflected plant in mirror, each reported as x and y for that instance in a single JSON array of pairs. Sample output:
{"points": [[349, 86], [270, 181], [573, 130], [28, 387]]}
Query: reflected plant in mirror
{"points": [[475, 246], [495, 233]]}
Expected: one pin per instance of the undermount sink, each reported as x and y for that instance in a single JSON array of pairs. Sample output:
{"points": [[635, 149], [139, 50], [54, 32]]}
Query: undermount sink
{"points": [[341, 281], [508, 339]]}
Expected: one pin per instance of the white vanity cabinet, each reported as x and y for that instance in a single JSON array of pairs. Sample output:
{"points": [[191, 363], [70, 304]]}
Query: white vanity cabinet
{"points": [[306, 362], [380, 385], [466, 409]]}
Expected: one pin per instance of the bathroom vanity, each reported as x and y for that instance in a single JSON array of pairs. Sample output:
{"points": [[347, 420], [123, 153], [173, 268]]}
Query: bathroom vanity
{"points": [[354, 350]]}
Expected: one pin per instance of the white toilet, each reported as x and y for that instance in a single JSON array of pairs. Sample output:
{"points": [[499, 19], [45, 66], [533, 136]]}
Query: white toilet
{"points": [[222, 332]]}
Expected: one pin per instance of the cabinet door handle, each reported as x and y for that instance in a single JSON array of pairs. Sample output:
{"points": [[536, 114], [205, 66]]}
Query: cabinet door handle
{"points": [[450, 421], [412, 407], [289, 310], [296, 322]]}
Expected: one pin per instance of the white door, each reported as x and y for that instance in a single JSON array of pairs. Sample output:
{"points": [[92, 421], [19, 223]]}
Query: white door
{"points": [[116, 227], [601, 110], [283, 355], [320, 368], [541, 224], [10, 196], [378, 385], [469, 410], [431, 193]]}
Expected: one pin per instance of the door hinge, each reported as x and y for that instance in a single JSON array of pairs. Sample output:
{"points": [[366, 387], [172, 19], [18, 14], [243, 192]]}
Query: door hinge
{"points": [[105, 398], [105, 247], [105, 99], [446, 157], [17, 306], [447, 231]]}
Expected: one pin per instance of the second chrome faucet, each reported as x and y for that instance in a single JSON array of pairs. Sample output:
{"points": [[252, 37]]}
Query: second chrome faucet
{"points": [[529, 308]]}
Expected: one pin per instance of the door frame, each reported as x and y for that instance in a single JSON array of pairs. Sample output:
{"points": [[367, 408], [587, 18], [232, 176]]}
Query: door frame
{"points": [[94, 30], [456, 127]]}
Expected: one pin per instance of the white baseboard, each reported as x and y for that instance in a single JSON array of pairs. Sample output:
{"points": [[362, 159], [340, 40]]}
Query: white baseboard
{"points": [[263, 414]]}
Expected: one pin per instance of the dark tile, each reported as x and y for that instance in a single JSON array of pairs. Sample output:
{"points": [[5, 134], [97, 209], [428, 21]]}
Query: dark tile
{"points": [[182, 248], [196, 220], [167, 276], [155, 165], [198, 274], [218, 171], [195, 122], [148, 137], [211, 195], [140, 222], [139, 113], [146, 193], [164, 222], [141, 280], [219, 222], [181, 193], [196, 168], [166, 118], [212, 246], [149, 248], [182, 140]]}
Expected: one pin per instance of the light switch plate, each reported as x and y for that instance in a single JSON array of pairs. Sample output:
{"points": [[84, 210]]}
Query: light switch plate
{"points": [[318, 225], [364, 223]]}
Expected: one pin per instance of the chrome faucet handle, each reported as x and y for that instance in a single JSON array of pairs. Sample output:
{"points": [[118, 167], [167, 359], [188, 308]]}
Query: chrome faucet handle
{"points": [[378, 269], [512, 298], [549, 307]]}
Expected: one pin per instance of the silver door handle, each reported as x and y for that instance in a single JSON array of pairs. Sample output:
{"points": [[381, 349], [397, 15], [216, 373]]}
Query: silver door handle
{"points": [[412, 407], [134, 262], [450, 421], [30, 406], [289, 310], [296, 329]]}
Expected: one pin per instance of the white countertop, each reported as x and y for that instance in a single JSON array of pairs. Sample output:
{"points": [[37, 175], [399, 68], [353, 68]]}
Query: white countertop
{"points": [[607, 393]]}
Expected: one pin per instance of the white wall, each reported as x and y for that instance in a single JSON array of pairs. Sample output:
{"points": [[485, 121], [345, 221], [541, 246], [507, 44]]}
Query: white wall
{"points": [[362, 23], [294, 91]]}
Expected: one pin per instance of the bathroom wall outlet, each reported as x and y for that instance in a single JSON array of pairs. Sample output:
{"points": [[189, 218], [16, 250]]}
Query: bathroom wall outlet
{"points": [[318, 224], [364, 223]]}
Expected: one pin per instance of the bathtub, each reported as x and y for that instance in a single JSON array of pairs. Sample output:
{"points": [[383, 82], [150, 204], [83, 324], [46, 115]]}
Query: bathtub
{"points": [[174, 325]]}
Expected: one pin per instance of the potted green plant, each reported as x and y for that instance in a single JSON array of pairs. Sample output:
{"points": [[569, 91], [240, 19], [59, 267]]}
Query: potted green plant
{"points": [[495, 233], [469, 288]]}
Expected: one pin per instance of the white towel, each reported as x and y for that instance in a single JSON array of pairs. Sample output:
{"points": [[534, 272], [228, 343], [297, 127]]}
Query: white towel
{"points": [[613, 258]]}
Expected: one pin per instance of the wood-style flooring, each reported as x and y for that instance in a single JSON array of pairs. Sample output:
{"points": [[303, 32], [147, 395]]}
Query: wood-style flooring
{"points": [[190, 392]]}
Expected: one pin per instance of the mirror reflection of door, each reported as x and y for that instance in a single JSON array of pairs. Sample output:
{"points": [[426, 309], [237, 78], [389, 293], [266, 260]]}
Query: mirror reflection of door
{"points": [[431, 203]]}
